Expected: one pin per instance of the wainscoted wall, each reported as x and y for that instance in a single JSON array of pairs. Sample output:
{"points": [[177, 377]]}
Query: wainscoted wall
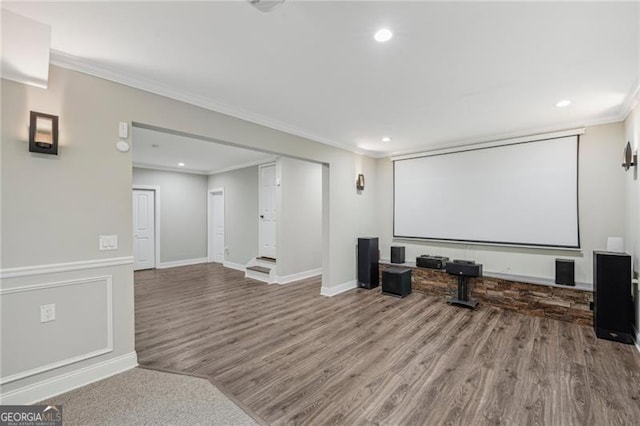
{"points": [[92, 305], [562, 303]]}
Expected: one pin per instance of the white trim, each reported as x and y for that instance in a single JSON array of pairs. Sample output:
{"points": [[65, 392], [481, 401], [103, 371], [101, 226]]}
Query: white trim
{"points": [[168, 169], [52, 268], [491, 143], [286, 279], [210, 254], [632, 100], [156, 211], [242, 166], [337, 289], [66, 382], [108, 279], [82, 65], [185, 262], [232, 265], [636, 334]]}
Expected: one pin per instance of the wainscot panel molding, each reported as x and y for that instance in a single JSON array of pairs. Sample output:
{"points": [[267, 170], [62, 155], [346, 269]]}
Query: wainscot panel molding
{"points": [[340, 288], [286, 279], [25, 271], [69, 381], [107, 281], [185, 262]]}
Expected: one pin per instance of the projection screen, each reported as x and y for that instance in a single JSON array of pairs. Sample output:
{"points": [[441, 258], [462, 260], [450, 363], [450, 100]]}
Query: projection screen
{"points": [[517, 194]]}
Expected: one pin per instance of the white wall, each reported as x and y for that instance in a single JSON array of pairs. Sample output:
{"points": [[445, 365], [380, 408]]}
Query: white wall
{"points": [[240, 212], [183, 212], [601, 215], [632, 227], [54, 208], [299, 226]]}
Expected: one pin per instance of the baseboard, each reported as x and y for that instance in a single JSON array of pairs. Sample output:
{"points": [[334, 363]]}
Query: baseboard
{"points": [[49, 388], [236, 266], [340, 288], [286, 279], [184, 262]]}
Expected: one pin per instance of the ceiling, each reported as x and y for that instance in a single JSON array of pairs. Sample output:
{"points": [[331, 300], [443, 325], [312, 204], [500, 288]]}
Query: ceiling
{"points": [[453, 72], [160, 150]]}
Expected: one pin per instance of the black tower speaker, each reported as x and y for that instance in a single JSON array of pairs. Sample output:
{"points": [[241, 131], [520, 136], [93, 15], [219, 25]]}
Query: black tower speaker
{"points": [[397, 254], [613, 306], [396, 281], [368, 275], [565, 272]]}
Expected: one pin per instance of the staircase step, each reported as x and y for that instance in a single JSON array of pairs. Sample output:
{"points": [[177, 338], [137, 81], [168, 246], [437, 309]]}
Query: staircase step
{"points": [[266, 259], [259, 269]]}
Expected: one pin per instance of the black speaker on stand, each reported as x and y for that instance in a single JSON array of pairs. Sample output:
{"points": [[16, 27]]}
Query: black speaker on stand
{"points": [[368, 274], [613, 305]]}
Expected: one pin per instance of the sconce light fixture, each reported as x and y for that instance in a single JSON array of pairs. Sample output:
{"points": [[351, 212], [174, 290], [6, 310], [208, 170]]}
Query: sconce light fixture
{"points": [[360, 182], [630, 158], [43, 133]]}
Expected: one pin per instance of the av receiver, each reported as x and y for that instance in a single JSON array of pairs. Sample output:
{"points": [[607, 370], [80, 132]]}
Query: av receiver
{"points": [[431, 262]]}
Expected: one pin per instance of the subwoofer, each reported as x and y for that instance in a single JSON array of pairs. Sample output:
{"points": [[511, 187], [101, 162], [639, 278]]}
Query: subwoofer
{"points": [[368, 274], [613, 306]]}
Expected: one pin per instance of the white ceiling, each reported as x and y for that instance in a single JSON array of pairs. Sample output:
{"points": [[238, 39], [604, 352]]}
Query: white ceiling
{"points": [[198, 156], [453, 72]]}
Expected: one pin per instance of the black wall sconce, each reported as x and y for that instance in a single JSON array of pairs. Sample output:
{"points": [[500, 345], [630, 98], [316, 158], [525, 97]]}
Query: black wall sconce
{"points": [[630, 158], [43, 133], [360, 182]]}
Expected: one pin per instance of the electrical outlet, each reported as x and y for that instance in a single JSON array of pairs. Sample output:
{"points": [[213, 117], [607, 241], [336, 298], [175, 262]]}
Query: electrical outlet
{"points": [[47, 313], [108, 242]]}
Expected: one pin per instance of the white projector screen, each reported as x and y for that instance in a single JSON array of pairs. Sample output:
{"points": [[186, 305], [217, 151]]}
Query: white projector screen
{"points": [[517, 194]]}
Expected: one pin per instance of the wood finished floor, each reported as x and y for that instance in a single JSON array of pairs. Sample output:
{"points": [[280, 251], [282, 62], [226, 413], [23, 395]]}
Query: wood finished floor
{"points": [[295, 357]]}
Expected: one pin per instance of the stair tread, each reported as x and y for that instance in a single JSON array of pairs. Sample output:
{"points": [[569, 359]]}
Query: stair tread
{"points": [[259, 269], [267, 259]]}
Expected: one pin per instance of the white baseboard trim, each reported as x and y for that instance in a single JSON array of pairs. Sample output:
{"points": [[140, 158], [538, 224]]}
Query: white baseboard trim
{"points": [[66, 382], [185, 262], [340, 288], [51, 268], [636, 333], [236, 266], [286, 279]]}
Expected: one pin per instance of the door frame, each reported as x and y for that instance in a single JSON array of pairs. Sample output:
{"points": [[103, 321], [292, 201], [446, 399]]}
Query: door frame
{"points": [[210, 252], [260, 167], [156, 218]]}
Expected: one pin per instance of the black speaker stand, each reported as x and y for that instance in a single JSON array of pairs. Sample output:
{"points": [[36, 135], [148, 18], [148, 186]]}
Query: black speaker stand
{"points": [[463, 295]]}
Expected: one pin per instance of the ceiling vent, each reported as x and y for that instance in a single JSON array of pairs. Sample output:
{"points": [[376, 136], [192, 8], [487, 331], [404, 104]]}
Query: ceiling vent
{"points": [[266, 5]]}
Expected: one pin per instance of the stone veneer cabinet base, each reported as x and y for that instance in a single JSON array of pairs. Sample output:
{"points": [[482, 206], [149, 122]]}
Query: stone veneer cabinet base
{"points": [[562, 303]]}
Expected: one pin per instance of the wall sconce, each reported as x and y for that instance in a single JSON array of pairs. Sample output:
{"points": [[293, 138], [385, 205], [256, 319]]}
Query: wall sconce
{"points": [[630, 158], [43, 133], [360, 182]]}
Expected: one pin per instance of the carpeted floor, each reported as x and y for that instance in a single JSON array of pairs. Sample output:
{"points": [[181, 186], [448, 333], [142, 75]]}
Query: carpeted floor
{"points": [[141, 396]]}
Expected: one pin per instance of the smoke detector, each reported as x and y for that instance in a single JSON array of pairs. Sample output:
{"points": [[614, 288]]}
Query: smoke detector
{"points": [[266, 5]]}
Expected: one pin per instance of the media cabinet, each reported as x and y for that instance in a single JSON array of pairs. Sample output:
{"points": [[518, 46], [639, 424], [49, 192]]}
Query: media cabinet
{"points": [[527, 295]]}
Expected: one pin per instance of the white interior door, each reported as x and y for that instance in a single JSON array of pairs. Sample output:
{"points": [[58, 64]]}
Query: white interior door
{"points": [[144, 247], [268, 213], [216, 228]]}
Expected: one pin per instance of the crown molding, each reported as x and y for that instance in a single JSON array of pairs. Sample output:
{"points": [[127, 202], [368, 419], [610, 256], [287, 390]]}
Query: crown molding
{"points": [[632, 100], [242, 166], [139, 165], [85, 66]]}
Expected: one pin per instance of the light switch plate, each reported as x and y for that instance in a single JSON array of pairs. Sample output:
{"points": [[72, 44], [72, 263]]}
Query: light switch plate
{"points": [[47, 313], [108, 242]]}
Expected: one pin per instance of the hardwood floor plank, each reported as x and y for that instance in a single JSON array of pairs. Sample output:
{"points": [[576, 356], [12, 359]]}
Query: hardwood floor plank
{"points": [[294, 357]]}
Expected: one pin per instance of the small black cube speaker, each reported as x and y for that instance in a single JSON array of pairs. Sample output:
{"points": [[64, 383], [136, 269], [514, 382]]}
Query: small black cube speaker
{"points": [[397, 254], [565, 272], [396, 281]]}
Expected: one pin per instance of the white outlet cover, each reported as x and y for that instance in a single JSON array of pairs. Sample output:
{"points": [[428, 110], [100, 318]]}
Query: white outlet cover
{"points": [[47, 313]]}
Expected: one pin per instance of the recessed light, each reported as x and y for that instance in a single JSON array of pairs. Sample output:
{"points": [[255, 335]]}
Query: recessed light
{"points": [[563, 103], [382, 35], [181, 164], [386, 139]]}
